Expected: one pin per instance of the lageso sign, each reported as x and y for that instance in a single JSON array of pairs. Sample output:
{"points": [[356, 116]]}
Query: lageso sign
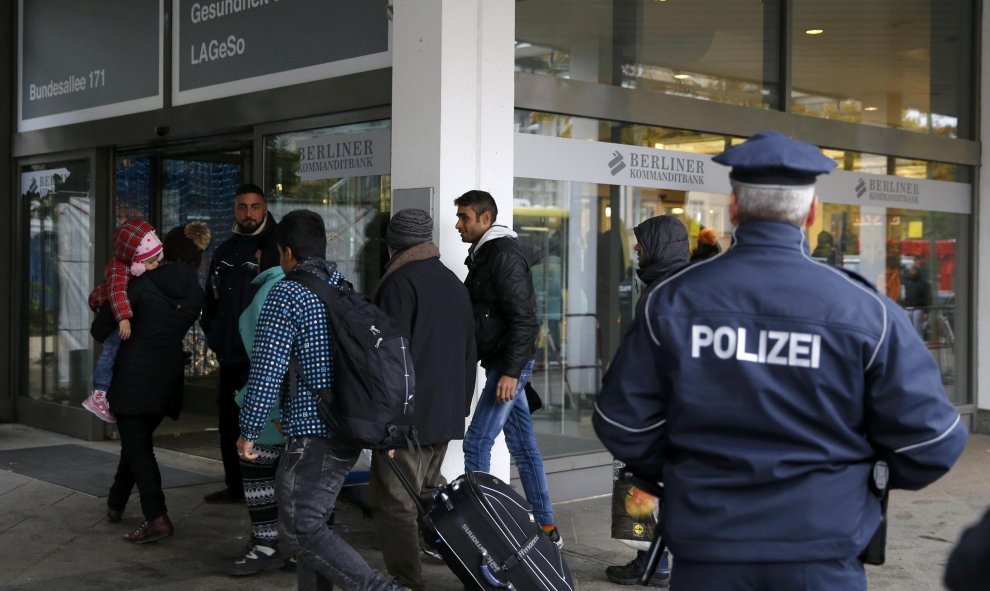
{"points": [[88, 59], [227, 47]]}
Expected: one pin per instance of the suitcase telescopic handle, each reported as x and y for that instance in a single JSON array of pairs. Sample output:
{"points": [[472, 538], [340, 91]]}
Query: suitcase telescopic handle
{"points": [[413, 493]]}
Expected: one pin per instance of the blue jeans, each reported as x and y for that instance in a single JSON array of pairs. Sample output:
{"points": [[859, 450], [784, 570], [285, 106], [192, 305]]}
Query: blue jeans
{"points": [[310, 475], [490, 418], [103, 373]]}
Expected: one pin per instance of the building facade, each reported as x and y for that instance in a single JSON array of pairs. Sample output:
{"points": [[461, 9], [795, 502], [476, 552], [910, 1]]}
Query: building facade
{"points": [[583, 118]]}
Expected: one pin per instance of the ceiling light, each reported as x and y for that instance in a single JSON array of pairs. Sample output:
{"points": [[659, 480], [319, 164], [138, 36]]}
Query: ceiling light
{"points": [[677, 210], [870, 109], [814, 31], [682, 76]]}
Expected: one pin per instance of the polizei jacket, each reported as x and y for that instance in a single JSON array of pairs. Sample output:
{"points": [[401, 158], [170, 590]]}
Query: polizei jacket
{"points": [[500, 284], [761, 386]]}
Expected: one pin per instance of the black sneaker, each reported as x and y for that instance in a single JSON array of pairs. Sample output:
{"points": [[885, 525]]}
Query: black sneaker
{"points": [[554, 536], [261, 556], [630, 573], [223, 496]]}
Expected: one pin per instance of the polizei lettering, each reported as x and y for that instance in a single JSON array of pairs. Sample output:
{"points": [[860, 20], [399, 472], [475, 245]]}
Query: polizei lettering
{"points": [[217, 50], [771, 347]]}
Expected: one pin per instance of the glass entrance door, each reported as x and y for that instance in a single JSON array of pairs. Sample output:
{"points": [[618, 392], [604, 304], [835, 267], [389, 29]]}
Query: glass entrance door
{"points": [[58, 198], [170, 190]]}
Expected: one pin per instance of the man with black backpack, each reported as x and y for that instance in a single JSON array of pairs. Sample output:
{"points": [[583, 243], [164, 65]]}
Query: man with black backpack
{"points": [[294, 327]]}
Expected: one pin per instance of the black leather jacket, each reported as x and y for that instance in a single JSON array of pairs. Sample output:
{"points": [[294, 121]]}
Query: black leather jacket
{"points": [[501, 284]]}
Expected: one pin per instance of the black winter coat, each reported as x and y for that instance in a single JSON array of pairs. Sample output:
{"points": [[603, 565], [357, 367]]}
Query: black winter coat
{"points": [[148, 374], [430, 304], [500, 282], [229, 291]]}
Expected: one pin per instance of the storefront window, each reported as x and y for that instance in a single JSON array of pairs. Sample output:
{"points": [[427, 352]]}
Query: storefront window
{"points": [[718, 51], [332, 180], [58, 198], [902, 64]]}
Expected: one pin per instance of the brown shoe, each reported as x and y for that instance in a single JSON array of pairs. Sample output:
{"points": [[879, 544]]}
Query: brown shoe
{"points": [[114, 516], [151, 531]]}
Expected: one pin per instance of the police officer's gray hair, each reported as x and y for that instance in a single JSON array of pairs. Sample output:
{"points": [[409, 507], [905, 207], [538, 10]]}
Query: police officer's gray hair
{"points": [[785, 204]]}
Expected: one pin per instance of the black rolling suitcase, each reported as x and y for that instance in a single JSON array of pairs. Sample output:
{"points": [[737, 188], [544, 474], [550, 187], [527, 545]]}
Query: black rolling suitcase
{"points": [[487, 535]]}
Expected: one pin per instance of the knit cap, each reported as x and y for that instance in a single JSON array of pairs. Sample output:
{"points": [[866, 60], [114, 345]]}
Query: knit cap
{"points": [[185, 244], [149, 247], [408, 228]]}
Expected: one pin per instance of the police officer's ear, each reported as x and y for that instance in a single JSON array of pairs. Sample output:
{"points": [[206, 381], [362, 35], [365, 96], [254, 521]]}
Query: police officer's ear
{"points": [[733, 209], [812, 213]]}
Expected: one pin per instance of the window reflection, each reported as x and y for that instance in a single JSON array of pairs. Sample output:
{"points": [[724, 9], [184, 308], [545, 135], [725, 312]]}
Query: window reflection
{"points": [[354, 209], [911, 257], [706, 49], [900, 64], [58, 197]]}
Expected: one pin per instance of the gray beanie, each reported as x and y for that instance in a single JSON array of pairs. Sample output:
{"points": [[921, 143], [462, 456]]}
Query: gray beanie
{"points": [[408, 228]]}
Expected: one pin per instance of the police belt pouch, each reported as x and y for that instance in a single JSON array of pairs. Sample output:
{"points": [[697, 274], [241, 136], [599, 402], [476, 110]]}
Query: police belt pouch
{"points": [[876, 551]]}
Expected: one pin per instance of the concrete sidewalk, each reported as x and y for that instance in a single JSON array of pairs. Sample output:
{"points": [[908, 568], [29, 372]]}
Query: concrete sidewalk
{"points": [[54, 538]]}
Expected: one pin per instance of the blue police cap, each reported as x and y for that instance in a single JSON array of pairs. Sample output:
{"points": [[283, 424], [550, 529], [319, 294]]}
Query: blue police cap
{"points": [[772, 158]]}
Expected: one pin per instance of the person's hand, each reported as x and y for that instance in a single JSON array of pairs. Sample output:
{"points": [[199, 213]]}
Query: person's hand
{"points": [[124, 327], [506, 389], [245, 450]]}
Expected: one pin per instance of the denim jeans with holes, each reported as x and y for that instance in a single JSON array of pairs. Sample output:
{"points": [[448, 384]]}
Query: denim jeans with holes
{"points": [[491, 417], [310, 475]]}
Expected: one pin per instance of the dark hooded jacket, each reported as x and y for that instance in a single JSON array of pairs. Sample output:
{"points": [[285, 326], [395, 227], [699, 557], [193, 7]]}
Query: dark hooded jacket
{"points": [[229, 289], [148, 374], [666, 251]]}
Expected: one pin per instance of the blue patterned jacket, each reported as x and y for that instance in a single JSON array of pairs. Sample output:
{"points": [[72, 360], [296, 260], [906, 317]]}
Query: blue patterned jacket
{"points": [[293, 321]]}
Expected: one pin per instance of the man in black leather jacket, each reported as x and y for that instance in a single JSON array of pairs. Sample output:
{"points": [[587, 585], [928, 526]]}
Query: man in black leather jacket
{"points": [[501, 289], [228, 293]]}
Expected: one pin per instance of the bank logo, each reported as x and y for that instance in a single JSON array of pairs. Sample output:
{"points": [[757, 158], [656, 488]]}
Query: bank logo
{"points": [[860, 188], [617, 163]]}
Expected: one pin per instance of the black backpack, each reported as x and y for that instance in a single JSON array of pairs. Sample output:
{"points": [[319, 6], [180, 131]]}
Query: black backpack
{"points": [[370, 404]]}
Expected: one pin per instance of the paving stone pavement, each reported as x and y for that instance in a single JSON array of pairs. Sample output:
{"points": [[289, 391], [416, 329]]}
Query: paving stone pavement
{"points": [[53, 538]]}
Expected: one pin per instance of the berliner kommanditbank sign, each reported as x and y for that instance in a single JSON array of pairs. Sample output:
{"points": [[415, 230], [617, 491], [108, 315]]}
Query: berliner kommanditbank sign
{"points": [[81, 60], [228, 47]]}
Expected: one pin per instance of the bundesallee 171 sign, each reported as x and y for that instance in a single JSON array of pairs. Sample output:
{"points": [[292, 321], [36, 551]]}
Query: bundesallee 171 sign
{"points": [[88, 59]]}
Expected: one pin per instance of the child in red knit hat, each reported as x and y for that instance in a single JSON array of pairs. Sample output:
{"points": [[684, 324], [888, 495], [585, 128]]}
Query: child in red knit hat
{"points": [[136, 249]]}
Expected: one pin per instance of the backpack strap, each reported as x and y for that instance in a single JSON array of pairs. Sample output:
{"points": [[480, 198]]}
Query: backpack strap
{"points": [[327, 294]]}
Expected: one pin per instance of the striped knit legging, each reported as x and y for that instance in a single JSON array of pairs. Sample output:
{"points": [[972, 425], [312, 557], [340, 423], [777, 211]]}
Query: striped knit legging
{"points": [[259, 491]]}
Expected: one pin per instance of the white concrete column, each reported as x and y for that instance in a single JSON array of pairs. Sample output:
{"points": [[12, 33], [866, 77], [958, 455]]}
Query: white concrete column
{"points": [[452, 127], [982, 263]]}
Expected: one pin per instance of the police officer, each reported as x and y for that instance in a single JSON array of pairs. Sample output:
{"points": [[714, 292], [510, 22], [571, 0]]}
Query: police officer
{"points": [[762, 388]]}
